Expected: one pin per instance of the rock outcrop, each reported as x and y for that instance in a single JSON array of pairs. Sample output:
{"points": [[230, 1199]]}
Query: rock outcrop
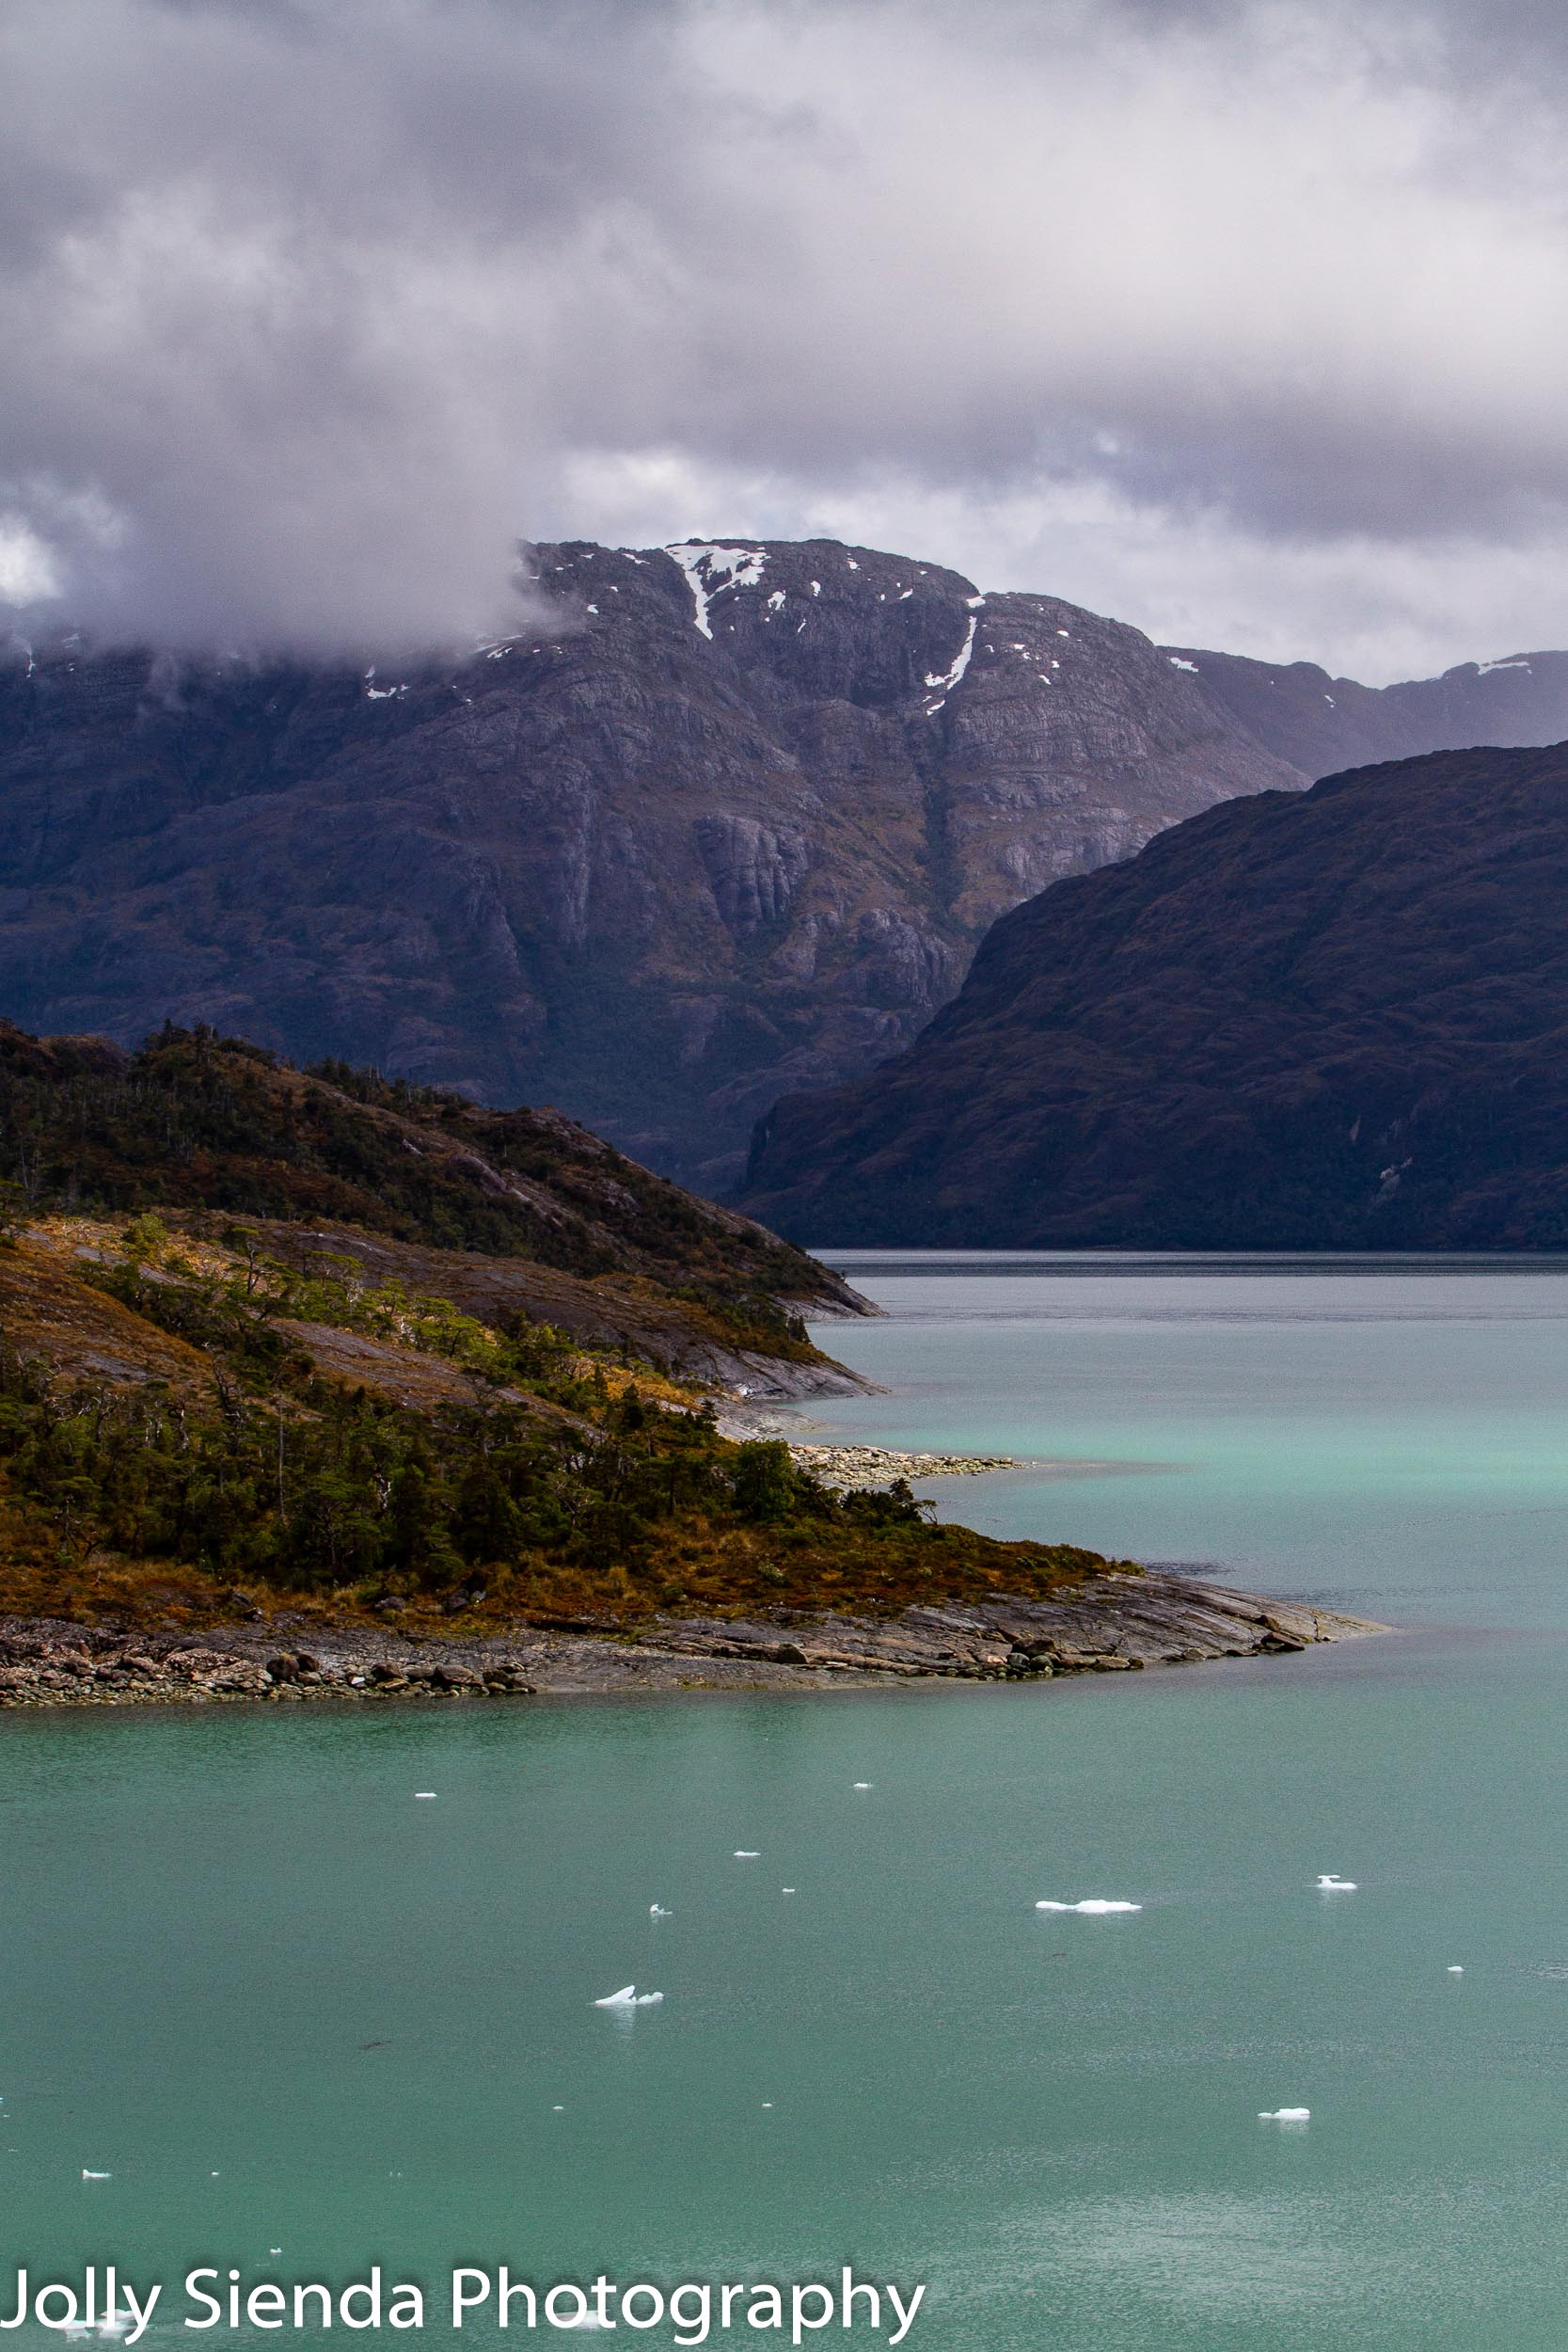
{"points": [[731, 827], [1335, 1020], [1108, 1624]]}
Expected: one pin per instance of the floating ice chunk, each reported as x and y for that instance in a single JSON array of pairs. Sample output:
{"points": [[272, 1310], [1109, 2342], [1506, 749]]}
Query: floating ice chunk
{"points": [[114, 2324], [657, 1911], [1284, 2115], [863, 1784], [623, 1999], [96, 2176], [787, 1890], [1455, 1969], [1095, 1906], [424, 1796], [747, 1853], [558, 2111], [1332, 1885], [646, 2000]]}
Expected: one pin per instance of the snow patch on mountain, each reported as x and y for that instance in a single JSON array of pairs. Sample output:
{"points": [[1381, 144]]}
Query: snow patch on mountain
{"points": [[944, 684], [711, 569]]}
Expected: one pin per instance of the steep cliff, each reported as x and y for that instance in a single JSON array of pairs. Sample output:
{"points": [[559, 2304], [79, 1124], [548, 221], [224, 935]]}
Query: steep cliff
{"points": [[1330, 1020], [733, 825]]}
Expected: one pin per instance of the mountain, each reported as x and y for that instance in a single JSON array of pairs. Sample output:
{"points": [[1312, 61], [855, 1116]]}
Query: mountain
{"points": [[506, 1214], [1328, 1020], [733, 824]]}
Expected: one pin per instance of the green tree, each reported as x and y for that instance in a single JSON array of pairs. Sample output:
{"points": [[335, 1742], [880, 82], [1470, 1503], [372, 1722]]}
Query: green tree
{"points": [[765, 1482]]}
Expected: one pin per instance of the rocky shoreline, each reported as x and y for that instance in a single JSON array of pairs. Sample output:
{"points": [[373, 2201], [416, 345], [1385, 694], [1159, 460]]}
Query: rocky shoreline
{"points": [[1109, 1623], [842, 1463], [868, 1467]]}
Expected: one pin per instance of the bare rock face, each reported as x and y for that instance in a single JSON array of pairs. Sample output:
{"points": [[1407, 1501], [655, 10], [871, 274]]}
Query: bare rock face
{"points": [[731, 827], [752, 871]]}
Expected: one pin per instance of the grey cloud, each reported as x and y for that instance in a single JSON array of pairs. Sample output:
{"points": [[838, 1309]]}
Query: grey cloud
{"points": [[312, 310]]}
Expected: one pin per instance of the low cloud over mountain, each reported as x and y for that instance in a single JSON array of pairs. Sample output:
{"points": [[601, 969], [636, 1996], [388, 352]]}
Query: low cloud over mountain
{"points": [[1246, 321]]}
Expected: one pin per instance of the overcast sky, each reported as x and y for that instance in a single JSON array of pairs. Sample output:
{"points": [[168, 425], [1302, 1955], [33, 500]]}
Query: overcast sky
{"points": [[1245, 322]]}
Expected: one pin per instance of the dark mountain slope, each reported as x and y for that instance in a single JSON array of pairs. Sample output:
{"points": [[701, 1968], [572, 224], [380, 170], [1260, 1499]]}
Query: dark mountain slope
{"points": [[735, 827], [1333, 1020]]}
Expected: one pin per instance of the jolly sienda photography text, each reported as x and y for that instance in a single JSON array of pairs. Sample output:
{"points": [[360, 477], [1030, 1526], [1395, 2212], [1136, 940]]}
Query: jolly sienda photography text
{"points": [[102, 2301]]}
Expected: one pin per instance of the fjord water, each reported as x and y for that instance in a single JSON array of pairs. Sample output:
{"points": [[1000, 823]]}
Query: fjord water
{"points": [[288, 2006]]}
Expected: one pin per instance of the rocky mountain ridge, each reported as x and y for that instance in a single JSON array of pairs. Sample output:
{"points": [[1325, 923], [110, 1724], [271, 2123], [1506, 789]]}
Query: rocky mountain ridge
{"points": [[733, 825]]}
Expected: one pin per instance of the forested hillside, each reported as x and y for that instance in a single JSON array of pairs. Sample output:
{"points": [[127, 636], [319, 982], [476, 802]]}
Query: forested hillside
{"points": [[327, 1338]]}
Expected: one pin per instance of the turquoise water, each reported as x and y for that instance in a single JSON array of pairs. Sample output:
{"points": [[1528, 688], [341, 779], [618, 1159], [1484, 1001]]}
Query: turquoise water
{"points": [[1394, 1439], [285, 2005]]}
